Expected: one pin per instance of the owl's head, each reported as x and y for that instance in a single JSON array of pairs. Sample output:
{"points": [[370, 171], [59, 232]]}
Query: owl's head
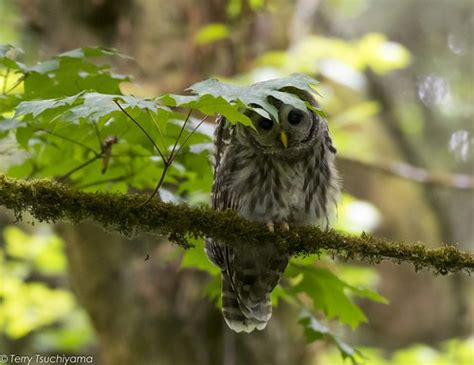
{"points": [[294, 131]]}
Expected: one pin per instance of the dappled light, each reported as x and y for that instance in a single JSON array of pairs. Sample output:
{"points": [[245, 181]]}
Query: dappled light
{"points": [[433, 90]]}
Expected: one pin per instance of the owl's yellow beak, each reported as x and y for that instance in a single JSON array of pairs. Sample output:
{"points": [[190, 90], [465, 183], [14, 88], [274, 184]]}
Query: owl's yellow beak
{"points": [[284, 139]]}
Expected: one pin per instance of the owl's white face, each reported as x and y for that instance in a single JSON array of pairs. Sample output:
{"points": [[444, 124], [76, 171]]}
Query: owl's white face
{"points": [[294, 130]]}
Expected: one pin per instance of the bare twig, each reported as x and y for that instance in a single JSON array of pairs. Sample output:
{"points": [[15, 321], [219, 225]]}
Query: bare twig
{"points": [[411, 173], [106, 146]]}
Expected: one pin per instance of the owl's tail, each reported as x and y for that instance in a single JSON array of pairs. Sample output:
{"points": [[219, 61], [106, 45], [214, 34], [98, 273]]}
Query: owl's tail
{"points": [[244, 313]]}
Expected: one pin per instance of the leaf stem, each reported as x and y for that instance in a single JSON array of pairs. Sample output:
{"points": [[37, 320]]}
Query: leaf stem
{"points": [[81, 166], [4, 87], [158, 185], [158, 128], [105, 181], [170, 159], [70, 140], [189, 136], [97, 133], [180, 134], [141, 128], [18, 82]]}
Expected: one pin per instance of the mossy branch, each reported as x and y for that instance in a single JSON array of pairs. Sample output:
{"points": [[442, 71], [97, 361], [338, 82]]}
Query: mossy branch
{"points": [[50, 201]]}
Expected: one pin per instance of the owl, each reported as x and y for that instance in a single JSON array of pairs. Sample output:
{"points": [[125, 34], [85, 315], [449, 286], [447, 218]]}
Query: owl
{"points": [[280, 173]]}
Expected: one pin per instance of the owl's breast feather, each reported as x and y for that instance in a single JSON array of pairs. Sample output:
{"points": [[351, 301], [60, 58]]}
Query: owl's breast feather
{"points": [[272, 191]]}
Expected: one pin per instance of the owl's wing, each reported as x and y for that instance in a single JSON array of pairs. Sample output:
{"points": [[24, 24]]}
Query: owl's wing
{"points": [[222, 196], [222, 138]]}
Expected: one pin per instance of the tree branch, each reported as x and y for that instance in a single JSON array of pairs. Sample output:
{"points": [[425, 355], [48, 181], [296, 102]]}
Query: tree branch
{"points": [[409, 172], [50, 201]]}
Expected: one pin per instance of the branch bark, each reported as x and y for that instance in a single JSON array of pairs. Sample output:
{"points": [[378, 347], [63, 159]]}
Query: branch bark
{"points": [[50, 201]]}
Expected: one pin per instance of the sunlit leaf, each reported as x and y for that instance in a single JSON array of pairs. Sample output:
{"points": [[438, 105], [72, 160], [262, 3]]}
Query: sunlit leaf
{"points": [[45, 252], [256, 4], [323, 54], [211, 33], [382, 56], [196, 258], [234, 7]]}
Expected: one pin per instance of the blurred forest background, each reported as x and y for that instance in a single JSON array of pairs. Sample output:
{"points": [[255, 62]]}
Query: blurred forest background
{"points": [[397, 82]]}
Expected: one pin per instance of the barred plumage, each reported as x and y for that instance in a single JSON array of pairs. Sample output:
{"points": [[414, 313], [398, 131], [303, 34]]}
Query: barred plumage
{"points": [[281, 174]]}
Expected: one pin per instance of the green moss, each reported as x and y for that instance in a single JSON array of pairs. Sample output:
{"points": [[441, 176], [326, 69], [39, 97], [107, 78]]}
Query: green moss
{"points": [[49, 201]]}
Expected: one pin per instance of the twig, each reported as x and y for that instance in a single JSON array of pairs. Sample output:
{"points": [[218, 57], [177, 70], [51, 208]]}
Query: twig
{"points": [[50, 201], [415, 174]]}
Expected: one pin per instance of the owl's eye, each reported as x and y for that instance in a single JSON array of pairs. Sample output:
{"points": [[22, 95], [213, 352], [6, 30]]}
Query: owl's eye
{"points": [[266, 124], [295, 117]]}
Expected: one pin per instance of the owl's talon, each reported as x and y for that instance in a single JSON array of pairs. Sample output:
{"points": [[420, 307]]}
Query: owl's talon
{"points": [[271, 227]]}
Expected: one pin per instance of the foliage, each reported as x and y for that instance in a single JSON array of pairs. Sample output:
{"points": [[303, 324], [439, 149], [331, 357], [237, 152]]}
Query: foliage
{"points": [[315, 52], [327, 292], [29, 306], [68, 114], [452, 352], [256, 97]]}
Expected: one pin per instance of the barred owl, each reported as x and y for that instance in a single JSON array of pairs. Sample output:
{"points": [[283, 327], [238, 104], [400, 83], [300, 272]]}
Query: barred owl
{"points": [[280, 173]]}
